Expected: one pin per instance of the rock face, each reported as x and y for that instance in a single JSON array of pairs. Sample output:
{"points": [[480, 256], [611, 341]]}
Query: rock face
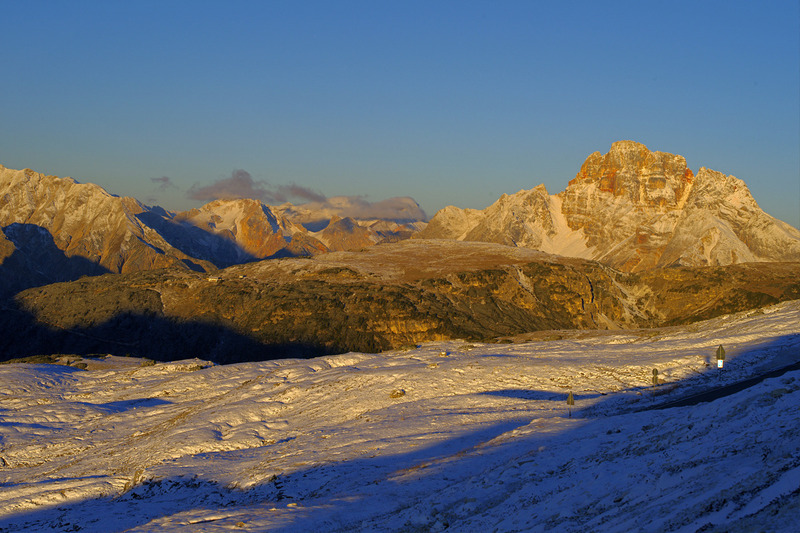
{"points": [[632, 209], [628, 203], [385, 297]]}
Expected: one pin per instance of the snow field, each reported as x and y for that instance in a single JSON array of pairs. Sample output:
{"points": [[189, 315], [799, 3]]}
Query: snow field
{"points": [[445, 436]]}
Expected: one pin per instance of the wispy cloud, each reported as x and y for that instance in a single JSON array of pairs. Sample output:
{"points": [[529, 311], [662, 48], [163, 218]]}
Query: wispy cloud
{"points": [[358, 207], [164, 183], [242, 185], [298, 191]]}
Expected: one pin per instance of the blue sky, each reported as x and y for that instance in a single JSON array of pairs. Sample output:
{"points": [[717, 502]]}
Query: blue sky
{"points": [[448, 102]]}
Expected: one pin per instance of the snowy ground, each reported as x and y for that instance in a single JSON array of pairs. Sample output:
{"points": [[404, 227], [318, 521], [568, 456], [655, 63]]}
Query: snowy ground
{"points": [[446, 436]]}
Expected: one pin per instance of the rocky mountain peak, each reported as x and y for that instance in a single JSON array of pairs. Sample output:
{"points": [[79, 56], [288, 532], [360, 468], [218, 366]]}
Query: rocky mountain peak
{"points": [[630, 170], [62, 229], [57, 229], [633, 209]]}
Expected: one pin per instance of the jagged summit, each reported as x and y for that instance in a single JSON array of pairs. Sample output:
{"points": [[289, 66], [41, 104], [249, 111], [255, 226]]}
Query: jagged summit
{"points": [[630, 170], [255, 228], [633, 209]]}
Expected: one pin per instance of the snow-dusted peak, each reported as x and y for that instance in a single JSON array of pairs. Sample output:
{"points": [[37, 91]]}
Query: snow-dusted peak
{"points": [[255, 228]]}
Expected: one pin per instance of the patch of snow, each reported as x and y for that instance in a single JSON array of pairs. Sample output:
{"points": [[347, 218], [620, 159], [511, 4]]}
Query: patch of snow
{"points": [[564, 241]]}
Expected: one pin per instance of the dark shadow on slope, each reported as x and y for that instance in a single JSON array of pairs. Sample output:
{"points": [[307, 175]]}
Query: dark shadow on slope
{"points": [[338, 494], [126, 405], [145, 335], [154, 499], [37, 261], [191, 265], [59, 479], [316, 225], [528, 394], [737, 375], [196, 242], [17, 426], [728, 389]]}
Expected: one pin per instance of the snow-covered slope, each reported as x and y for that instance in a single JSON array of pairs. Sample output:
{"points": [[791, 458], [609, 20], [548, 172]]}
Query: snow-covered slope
{"points": [[528, 219], [632, 209], [444, 436]]}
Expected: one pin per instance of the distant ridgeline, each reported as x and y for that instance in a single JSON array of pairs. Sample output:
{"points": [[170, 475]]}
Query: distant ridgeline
{"points": [[56, 229]]}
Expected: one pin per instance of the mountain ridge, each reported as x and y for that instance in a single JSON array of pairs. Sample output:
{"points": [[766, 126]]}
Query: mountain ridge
{"points": [[632, 209], [81, 221]]}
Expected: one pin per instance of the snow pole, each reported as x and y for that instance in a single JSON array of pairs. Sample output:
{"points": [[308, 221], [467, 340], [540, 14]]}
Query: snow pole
{"points": [[655, 383], [720, 356], [570, 403]]}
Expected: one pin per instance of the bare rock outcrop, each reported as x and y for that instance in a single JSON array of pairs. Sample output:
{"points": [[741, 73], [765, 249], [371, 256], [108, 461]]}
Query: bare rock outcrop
{"points": [[256, 230]]}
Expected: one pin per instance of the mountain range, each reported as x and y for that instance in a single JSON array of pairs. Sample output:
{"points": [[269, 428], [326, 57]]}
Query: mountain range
{"points": [[632, 209], [636, 240], [56, 229]]}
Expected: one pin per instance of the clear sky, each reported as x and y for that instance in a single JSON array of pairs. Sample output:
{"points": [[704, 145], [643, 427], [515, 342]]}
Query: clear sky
{"points": [[447, 102]]}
